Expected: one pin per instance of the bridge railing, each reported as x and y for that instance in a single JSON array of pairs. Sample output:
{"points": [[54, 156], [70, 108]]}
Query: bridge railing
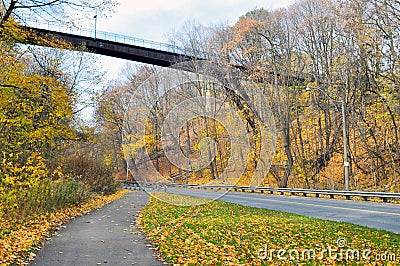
{"points": [[365, 195], [113, 37]]}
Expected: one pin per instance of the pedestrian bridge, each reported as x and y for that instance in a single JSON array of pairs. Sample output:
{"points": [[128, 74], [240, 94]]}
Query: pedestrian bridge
{"points": [[115, 45], [131, 48]]}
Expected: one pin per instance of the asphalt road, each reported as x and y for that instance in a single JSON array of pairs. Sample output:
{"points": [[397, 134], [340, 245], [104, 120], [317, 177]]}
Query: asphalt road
{"points": [[384, 216], [107, 236]]}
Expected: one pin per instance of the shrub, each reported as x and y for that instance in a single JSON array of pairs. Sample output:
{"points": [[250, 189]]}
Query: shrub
{"points": [[92, 172]]}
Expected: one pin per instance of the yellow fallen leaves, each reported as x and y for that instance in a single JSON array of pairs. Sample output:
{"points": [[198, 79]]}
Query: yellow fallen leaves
{"points": [[19, 238]]}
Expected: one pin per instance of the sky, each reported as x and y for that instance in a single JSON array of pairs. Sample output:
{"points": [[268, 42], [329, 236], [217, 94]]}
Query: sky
{"points": [[155, 19]]}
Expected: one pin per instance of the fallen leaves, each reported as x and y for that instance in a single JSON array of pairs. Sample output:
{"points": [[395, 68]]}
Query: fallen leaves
{"points": [[19, 239], [219, 233]]}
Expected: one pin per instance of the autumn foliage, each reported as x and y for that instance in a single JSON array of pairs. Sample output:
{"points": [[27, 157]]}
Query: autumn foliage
{"points": [[37, 109], [307, 59]]}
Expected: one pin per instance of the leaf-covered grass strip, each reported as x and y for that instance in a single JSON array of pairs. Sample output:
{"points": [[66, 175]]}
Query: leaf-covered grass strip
{"points": [[220, 233]]}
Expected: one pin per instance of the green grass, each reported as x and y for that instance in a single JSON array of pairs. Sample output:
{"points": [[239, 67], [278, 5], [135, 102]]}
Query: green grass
{"points": [[219, 233]]}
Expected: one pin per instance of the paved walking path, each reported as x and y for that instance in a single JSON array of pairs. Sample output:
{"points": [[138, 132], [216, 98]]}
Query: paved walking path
{"points": [[107, 236]]}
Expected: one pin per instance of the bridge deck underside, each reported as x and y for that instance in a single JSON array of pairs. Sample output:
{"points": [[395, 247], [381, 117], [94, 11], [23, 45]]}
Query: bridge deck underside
{"points": [[114, 49]]}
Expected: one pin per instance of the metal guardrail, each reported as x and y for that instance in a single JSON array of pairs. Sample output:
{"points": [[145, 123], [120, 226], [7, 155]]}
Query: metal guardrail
{"points": [[133, 185], [365, 195]]}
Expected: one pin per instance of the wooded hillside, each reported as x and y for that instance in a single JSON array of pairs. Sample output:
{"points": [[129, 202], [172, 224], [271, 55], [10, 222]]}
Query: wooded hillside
{"points": [[307, 59]]}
